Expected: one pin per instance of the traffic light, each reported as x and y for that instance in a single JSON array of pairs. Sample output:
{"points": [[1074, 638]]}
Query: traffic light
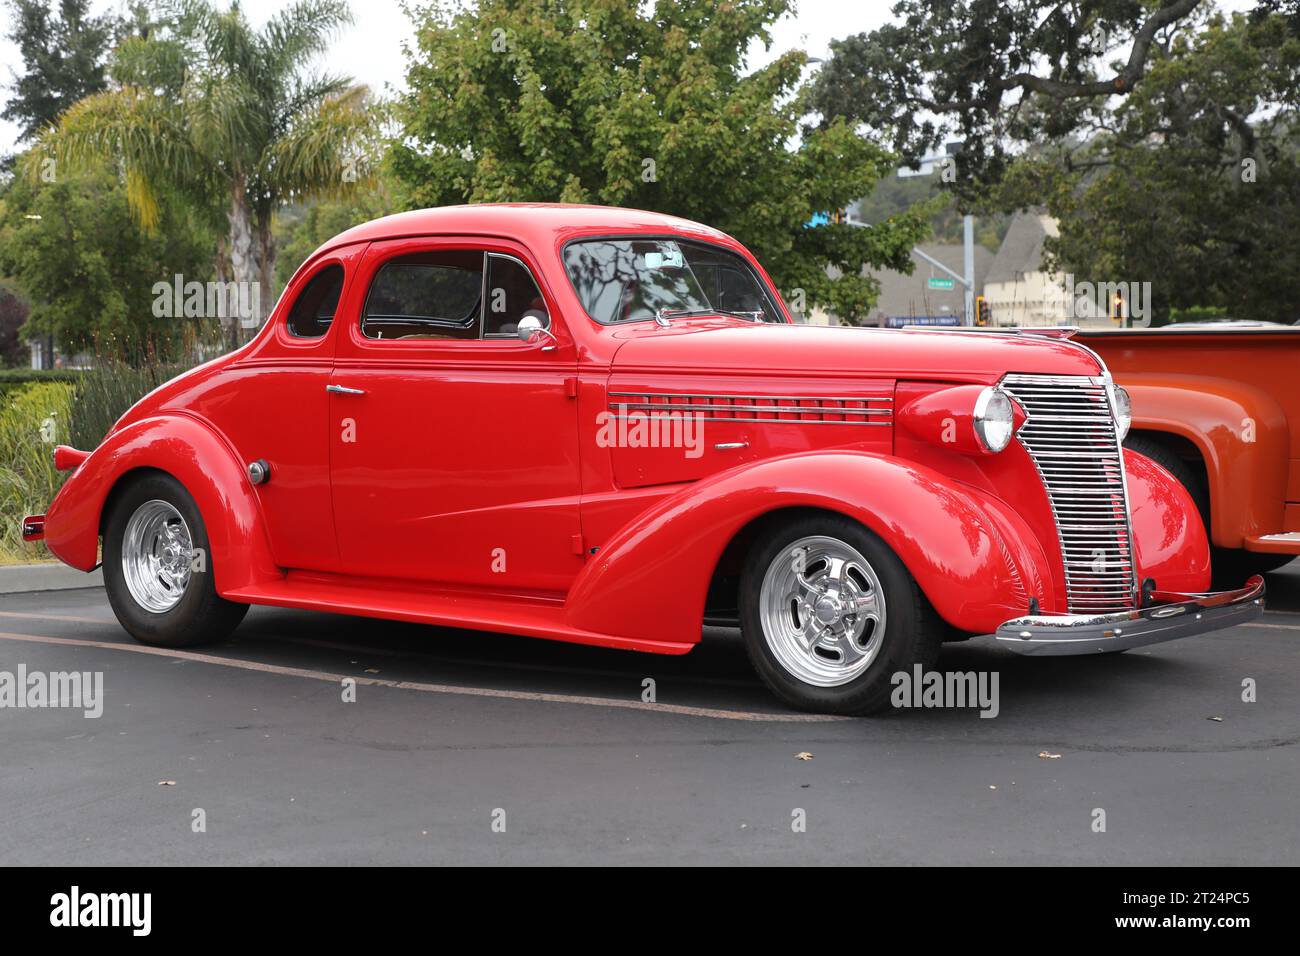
{"points": [[1117, 309], [983, 313]]}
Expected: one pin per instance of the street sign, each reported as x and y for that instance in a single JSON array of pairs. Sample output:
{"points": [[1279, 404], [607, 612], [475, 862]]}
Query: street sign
{"points": [[946, 285]]}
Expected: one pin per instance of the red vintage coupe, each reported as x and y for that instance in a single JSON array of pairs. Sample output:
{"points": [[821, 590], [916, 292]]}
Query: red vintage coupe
{"points": [[600, 425]]}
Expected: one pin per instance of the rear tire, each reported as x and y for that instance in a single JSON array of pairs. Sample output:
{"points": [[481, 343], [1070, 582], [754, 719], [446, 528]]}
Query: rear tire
{"points": [[1229, 567], [829, 614], [158, 567]]}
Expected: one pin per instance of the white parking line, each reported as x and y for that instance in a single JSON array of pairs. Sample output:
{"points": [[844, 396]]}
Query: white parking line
{"points": [[678, 709], [58, 617]]}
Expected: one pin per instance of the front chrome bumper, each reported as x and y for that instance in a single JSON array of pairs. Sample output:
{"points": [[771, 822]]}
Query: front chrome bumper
{"points": [[1171, 616]]}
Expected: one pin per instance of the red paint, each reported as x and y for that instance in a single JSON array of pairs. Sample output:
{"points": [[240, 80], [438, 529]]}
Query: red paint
{"points": [[66, 459], [945, 417], [464, 450]]}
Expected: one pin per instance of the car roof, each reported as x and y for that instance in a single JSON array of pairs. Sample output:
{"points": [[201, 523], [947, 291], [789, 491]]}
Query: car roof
{"points": [[534, 224]]}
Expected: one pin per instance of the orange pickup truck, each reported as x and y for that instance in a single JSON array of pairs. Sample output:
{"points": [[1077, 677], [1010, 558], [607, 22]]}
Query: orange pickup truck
{"points": [[1220, 409]]}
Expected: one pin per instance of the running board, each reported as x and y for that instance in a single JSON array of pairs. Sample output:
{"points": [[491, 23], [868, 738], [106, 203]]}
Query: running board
{"points": [[529, 614], [1288, 542]]}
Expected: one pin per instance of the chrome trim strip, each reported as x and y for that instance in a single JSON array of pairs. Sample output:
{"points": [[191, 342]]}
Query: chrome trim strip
{"points": [[713, 407], [671, 416], [755, 398], [784, 409]]}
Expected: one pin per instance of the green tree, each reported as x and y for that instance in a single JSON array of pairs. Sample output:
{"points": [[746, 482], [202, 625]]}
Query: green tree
{"points": [[895, 195], [301, 230], [63, 59], [1193, 181], [994, 74], [13, 315], [88, 269], [648, 106], [204, 106]]}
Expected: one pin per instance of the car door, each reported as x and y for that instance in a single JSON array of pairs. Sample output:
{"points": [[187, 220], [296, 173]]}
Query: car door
{"points": [[271, 405], [454, 446]]}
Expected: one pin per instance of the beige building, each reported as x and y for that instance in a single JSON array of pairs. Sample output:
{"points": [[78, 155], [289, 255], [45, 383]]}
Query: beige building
{"points": [[1019, 291]]}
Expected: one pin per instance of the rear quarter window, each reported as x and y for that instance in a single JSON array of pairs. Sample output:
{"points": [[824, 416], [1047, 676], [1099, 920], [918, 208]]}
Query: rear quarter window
{"points": [[313, 311]]}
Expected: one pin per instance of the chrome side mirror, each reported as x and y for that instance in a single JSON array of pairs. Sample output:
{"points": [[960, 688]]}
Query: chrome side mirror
{"points": [[531, 329]]}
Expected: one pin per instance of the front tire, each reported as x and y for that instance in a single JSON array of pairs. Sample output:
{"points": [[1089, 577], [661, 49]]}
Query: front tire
{"points": [[829, 614], [157, 567]]}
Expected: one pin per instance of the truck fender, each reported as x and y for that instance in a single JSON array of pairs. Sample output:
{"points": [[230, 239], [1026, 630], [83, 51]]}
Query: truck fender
{"points": [[1241, 433], [651, 579], [192, 453]]}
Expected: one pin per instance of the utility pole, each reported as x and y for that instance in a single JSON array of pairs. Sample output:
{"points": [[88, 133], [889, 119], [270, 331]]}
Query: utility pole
{"points": [[968, 228]]}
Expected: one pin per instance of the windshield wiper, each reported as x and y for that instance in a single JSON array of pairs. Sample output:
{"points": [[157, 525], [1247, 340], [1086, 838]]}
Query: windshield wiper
{"points": [[663, 315]]}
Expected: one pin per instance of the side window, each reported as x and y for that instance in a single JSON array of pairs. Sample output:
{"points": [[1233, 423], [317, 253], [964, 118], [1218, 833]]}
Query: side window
{"points": [[313, 311], [428, 295], [511, 295]]}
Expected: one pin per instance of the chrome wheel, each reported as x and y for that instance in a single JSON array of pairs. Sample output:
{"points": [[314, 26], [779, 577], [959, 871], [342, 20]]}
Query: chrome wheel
{"points": [[156, 553], [823, 611]]}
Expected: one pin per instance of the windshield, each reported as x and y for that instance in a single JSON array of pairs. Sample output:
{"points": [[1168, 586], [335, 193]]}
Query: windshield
{"points": [[626, 280]]}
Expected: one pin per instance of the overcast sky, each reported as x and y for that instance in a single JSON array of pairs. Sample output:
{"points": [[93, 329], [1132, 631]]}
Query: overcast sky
{"points": [[371, 49]]}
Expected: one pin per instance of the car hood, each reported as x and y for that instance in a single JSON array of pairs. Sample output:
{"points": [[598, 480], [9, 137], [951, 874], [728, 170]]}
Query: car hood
{"points": [[738, 347]]}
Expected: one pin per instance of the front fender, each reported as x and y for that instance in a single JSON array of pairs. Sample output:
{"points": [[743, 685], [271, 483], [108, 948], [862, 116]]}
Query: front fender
{"points": [[193, 454], [972, 557], [1241, 433], [1169, 541]]}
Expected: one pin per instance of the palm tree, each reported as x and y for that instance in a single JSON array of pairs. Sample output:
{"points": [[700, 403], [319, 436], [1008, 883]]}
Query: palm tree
{"points": [[204, 106]]}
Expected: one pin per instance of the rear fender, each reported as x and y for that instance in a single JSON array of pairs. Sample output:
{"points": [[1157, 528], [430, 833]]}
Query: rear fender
{"points": [[193, 454], [650, 580]]}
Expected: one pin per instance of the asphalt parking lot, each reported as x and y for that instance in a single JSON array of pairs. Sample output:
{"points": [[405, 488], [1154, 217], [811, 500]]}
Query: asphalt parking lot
{"points": [[482, 749]]}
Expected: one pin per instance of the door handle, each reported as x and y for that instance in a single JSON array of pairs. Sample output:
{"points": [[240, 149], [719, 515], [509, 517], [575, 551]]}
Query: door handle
{"points": [[344, 390]]}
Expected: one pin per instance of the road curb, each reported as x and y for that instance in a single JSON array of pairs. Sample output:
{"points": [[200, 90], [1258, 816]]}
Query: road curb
{"points": [[16, 578]]}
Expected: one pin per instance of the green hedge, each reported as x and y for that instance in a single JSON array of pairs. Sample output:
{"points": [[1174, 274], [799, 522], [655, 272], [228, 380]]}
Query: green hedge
{"points": [[33, 419], [12, 379], [24, 375]]}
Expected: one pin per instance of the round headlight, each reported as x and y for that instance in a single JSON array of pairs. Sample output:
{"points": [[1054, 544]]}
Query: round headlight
{"points": [[994, 419], [1122, 408]]}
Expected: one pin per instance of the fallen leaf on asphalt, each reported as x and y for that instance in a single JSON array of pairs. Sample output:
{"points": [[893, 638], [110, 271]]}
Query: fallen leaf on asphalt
{"points": [[1219, 719], [1046, 756], [166, 783], [803, 755]]}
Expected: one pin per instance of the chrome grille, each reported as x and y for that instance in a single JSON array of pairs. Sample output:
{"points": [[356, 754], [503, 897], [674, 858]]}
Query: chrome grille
{"points": [[1070, 434]]}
